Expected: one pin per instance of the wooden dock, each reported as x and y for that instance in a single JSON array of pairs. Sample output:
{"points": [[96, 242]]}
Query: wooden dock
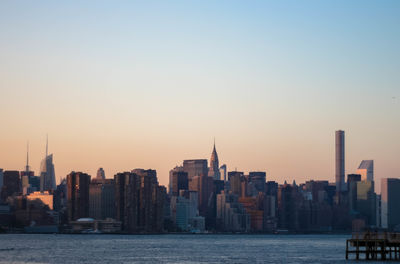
{"points": [[374, 246]]}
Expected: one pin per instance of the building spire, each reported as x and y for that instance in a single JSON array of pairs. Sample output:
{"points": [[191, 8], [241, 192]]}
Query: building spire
{"points": [[47, 144], [27, 157]]}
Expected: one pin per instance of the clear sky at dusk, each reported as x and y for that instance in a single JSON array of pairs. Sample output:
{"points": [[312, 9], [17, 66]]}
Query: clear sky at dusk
{"points": [[146, 84]]}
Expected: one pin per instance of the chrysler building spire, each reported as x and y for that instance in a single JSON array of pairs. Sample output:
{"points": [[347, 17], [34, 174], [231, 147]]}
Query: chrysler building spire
{"points": [[214, 165]]}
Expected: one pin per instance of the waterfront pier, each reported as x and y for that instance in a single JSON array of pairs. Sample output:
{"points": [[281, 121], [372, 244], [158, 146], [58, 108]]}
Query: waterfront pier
{"points": [[374, 246]]}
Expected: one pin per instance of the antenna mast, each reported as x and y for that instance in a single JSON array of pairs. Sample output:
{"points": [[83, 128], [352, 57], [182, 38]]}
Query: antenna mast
{"points": [[47, 144]]}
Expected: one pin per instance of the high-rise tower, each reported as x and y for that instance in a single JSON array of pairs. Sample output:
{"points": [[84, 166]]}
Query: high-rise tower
{"points": [[27, 169], [27, 175], [214, 165], [47, 174], [366, 170], [340, 164], [78, 195], [100, 174]]}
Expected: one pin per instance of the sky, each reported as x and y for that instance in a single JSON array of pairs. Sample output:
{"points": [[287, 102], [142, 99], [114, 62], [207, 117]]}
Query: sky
{"points": [[147, 84]]}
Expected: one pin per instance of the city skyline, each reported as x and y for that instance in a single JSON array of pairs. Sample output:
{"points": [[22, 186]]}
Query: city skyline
{"points": [[213, 154], [199, 131], [149, 84]]}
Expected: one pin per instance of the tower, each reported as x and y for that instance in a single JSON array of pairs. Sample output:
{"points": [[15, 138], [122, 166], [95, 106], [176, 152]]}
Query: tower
{"points": [[390, 195], [214, 165], [100, 174], [340, 162], [27, 169], [366, 170], [27, 175], [47, 174], [78, 195]]}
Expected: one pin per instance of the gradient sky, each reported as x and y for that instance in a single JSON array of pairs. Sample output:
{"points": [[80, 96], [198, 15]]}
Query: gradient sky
{"points": [[146, 84]]}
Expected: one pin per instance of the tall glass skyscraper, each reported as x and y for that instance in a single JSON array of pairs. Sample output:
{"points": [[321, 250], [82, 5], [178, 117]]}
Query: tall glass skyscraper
{"points": [[47, 174], [366, 170], [340, 165]]}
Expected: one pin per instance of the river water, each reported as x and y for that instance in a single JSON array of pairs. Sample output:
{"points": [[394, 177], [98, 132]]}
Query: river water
{"points": [[29, 248]]}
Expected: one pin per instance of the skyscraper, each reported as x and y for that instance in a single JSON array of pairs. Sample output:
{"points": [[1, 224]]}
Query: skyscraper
{"points": [[26, 175], [197, 171], [258, 179], [171, 181], [47, 174], [196, 167], [127, 185], [148, 183], [1, 179], [352, 180], [179, 182], [366, 201], [139, 201], [390, 202], [235, 178], [11, 184], [214, 165], [340, 161], [222, 172], [78, 195], [366, 170], [100, 174], [102, 199]]}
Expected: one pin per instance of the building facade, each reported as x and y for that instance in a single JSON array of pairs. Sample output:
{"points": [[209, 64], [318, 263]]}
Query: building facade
{"points": [[47, 174], [390, 197], [366, 170], [78, 195], [11, 184], [340, 161], [214, 165], [102, 199]]}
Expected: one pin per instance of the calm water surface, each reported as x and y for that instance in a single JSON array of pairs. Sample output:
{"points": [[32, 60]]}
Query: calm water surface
{"points": [[21, 248]]}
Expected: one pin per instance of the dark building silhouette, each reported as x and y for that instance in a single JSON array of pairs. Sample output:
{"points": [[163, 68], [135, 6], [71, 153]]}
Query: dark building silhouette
{"points": [[199, 181], [390, 191], [100, 174], [78, 195], [28, 180], [352, 180], [366, 202], [219, 186], [235, 178], [287, 207], [340, 161], [148, 184], [317, 190], [271, 188], [139, 201], [127, 186], [11, 184], [197, 167], [258, 179], [61, 201], [102, 199], [159, 204], [180, 181]]}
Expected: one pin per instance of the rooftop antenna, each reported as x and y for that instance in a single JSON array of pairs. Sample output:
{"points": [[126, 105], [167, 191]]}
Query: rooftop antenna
{"points": [[214, 143], [27, 157], [47, 144]]}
